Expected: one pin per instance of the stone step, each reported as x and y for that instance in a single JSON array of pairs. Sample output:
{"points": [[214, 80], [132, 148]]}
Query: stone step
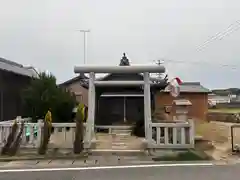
{"points": [[121, 134], [118, 141], [119, 147], [121, 139], [119, 131], [112, 135]]}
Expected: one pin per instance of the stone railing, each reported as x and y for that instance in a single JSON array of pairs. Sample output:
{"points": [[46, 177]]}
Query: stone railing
{"points": [[171, 135], [63, 134], [19, 119]]}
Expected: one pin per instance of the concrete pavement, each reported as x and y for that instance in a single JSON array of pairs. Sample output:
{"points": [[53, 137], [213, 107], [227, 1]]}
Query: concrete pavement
{"points": [[131, 172]]}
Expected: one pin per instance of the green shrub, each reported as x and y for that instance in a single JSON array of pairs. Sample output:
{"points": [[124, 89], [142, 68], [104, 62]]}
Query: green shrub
{"points": [[43, 94]]}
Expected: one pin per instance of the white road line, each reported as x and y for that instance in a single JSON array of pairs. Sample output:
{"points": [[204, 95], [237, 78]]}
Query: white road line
{"points": [[103, 167]]}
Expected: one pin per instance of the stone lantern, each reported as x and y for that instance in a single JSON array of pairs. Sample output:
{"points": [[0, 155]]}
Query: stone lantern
{"points": [[181, 107]]}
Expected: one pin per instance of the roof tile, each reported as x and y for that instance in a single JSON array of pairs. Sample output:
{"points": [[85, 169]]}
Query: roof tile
{"points": [[16, 68], [195, 87]]}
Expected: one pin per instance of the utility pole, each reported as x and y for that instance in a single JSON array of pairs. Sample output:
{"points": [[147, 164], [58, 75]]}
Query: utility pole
{"points": [[84, 44], [159, 62]]}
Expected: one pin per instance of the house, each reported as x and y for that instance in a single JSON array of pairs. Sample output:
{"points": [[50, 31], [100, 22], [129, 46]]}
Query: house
{"points": [[217, 99], [226, 95], [74, 85], [192, 91], [14, 78]]}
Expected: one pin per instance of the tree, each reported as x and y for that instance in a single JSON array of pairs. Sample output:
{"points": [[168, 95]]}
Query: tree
{"points": [[44, 94], [64, 105]]}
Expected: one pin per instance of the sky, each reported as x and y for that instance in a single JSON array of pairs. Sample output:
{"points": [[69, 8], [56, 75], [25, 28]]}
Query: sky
{"points": [[45, 34]]}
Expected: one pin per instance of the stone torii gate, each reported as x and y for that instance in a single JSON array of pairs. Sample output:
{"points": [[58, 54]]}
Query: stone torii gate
{"points": [[92, 70]]}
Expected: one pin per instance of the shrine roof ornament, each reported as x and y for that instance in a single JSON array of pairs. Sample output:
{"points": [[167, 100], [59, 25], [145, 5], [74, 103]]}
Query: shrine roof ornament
{"points": [[124, 61]]}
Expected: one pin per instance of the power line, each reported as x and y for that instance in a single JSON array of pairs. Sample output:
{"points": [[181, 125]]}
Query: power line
{"points": [[197, 63], [220, 35], [217, 35], [159, 62]]}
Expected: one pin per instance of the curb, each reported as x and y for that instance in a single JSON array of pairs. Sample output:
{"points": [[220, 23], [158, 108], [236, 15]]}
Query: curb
{"points": [[116, 152], [24, 158]]}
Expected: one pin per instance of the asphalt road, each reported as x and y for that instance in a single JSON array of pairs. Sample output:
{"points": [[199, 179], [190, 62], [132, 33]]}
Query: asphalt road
{"points": [[216, 172]]}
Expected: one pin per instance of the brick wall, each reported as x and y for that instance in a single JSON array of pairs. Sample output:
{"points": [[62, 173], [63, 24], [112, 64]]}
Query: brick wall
{"points": [[199, 102]]}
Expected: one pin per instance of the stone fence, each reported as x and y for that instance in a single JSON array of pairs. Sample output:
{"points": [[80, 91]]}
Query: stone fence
{"points": [[223, 117], [63, 134], [228, 105]]}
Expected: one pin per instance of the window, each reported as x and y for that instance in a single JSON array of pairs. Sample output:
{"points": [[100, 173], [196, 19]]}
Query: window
{"points": [[79, 98]]}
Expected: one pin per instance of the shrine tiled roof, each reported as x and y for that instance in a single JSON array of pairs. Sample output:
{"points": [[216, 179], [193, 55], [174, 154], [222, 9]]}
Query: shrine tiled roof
{"points": [[195, 87]]}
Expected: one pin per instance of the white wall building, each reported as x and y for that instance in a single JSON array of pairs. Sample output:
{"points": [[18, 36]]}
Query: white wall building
{"points": [[214, 99]]}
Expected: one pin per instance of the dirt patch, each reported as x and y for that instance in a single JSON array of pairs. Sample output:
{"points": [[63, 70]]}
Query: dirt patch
{"points": [[203, 145], [223, 117], [213, 131], [217, 134]]}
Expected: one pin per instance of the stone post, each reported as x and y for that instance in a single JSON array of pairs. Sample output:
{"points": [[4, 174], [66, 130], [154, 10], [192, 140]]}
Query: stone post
{"points": [[91, 112], [147, 104], [39, 133]]}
